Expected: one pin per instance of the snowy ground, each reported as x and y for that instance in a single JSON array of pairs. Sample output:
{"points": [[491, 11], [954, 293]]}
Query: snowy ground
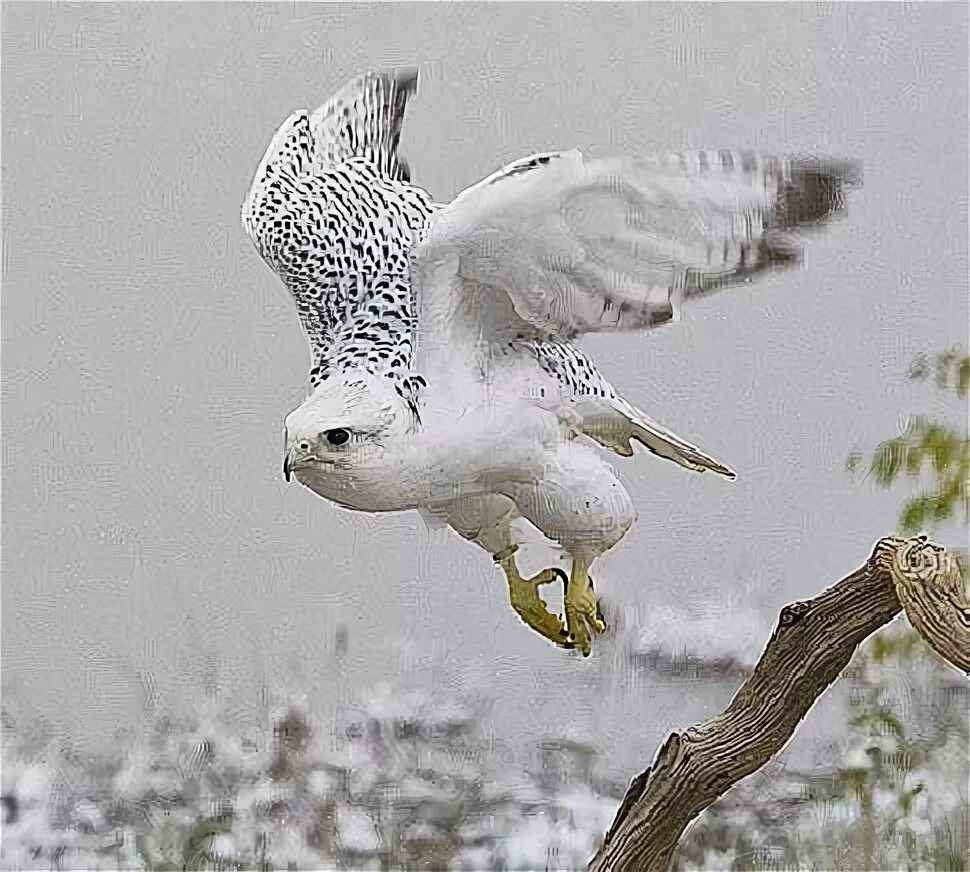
{"points": [[404, 782]]}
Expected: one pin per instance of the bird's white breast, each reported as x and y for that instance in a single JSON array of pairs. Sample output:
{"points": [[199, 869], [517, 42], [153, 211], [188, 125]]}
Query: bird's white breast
{"points": [[480, 439], [363, 489]]}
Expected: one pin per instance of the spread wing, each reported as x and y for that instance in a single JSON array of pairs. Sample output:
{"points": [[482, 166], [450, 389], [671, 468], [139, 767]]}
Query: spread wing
{"points": [[561, 244], [317, 209]]}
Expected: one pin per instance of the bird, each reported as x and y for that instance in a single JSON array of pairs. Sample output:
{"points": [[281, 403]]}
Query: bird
{"points": [[445, 376]]}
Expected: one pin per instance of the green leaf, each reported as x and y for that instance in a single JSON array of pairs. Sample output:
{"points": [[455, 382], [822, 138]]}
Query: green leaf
{"points": [[883, 647], [891, 723], [925, 441], [914, 460], [887, 461], [953, 371], [941, 444], [915, 513], [946, 364]]}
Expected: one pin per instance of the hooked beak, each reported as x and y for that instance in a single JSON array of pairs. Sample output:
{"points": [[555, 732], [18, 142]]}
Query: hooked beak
{"points": [[294, 461]]}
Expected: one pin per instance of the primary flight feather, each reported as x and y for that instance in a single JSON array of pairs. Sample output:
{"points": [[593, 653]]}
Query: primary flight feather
{"points": [[444, 375]]}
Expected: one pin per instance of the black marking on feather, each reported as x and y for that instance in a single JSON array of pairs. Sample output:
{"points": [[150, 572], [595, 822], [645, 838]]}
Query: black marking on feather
{"points": [[525, 165], [332, 215], [809, 191]]}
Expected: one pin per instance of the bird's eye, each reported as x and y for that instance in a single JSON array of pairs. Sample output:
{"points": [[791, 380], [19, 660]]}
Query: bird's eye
{"points": [[304, 445], [338, 436]]}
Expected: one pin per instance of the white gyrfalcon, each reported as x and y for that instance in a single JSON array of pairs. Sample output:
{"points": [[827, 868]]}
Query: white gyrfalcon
{"points": [[444, 375]]}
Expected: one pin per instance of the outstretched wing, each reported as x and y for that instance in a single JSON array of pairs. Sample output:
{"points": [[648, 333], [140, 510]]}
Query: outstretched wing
{"points": [[329, 208], [560, 244], [363, 119]]}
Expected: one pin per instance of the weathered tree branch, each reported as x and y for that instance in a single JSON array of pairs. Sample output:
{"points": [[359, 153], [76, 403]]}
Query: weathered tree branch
{"points": [[811, 645]]}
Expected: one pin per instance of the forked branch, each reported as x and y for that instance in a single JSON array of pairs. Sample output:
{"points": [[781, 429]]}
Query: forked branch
{"points": [[810, 646]]}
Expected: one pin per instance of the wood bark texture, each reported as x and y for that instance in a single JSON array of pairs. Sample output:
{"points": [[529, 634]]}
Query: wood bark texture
{"points": [[810, 646]]}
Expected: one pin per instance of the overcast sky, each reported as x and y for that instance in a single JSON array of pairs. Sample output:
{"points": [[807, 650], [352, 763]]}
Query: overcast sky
{"points": [[149, 356]]}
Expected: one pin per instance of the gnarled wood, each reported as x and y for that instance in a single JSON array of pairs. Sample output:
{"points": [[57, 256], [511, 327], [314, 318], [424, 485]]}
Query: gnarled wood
{"points": [[933, 588], [808, 649]]}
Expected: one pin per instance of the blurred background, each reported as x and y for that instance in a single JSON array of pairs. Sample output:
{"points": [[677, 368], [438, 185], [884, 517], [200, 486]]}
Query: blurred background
{"points": [[169, 602]]}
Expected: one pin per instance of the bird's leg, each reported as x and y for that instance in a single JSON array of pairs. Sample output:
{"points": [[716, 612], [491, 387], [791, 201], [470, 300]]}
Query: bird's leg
{"points": [[525, 599], [583, 614]]}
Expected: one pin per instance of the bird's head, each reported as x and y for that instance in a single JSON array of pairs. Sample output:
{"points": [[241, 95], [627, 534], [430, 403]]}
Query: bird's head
{"points": [[349, 421]]}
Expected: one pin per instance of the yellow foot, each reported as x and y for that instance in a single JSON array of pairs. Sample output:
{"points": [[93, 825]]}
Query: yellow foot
{"points": [[525, 599], [583, 614]]}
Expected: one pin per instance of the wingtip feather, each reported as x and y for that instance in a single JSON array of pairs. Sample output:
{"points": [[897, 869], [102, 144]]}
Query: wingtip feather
{"points": [[406, 79], [708, 465]]}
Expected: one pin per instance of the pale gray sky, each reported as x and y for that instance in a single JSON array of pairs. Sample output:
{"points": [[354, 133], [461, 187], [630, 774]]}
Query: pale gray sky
{"points": [[149, 356]]}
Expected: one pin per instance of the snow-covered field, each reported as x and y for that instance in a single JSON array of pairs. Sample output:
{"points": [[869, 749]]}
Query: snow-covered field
{"points": [[404, 783]]}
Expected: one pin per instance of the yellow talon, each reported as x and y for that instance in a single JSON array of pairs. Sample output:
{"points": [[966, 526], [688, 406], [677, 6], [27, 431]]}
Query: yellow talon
{"points": [[525, 599], [583, 614]]}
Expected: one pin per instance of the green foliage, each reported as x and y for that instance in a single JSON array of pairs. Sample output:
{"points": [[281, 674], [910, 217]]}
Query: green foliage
{"points": [[937, 459], [886, 647], [886, 773], [951, 368], [935, 456]]}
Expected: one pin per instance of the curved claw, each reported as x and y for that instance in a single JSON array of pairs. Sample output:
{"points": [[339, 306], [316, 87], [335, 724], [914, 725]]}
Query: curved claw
{"points": [[584, 617], [530, 607], [599, 611], [565, 586], [563, 578]]}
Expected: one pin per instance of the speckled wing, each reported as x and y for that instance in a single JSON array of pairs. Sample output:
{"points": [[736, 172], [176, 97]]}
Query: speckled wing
{"points": [[331, 212], [565, 244], [363, 120]]}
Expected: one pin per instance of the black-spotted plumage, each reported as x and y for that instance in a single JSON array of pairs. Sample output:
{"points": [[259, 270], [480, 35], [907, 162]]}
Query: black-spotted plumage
{"points": [[331, 211], [470, 309]]}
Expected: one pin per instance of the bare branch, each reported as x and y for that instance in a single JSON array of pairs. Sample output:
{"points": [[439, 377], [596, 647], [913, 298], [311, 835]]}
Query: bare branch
{"points": [[810, 646]]}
